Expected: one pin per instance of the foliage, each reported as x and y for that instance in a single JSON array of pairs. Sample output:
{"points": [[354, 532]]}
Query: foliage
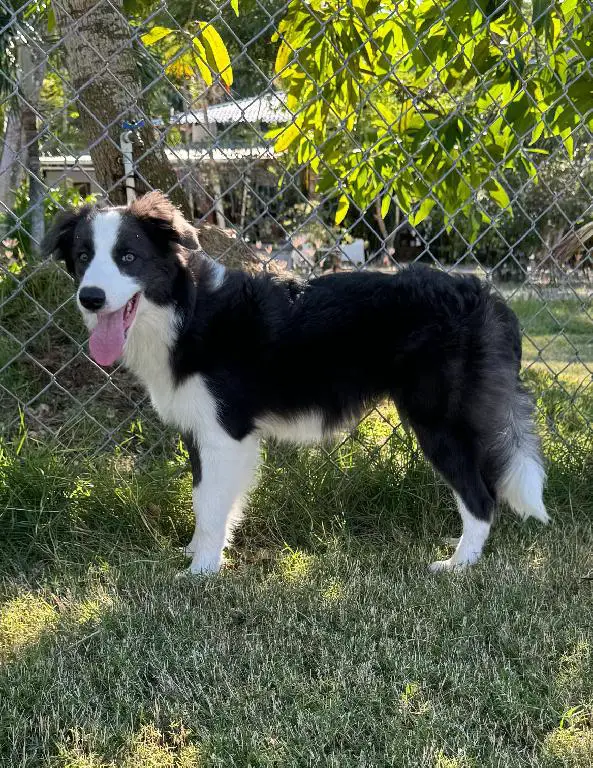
{"points": [[246, 34], [20, 24], [427, 103], [61, 109], [542, 214], [197, 50], [236, 46]]}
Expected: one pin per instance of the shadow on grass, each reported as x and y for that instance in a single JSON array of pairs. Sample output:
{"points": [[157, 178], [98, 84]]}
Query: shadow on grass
{"points": [[59, 506]]}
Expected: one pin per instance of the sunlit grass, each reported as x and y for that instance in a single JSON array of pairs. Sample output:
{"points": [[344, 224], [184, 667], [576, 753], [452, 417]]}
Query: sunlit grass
{"points": [[149, 748], [571, 744], [22, 622]]}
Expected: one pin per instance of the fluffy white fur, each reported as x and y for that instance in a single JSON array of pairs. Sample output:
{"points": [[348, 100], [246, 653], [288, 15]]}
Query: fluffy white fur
{"points": [[228, 466], [522, 485]]}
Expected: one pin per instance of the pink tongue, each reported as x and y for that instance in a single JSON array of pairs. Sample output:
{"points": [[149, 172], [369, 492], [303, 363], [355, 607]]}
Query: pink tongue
{"points": [[107, 340]]}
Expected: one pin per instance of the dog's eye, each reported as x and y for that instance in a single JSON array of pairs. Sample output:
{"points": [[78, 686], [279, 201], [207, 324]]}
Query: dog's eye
{"points": [[128, 257], [84, 257]]}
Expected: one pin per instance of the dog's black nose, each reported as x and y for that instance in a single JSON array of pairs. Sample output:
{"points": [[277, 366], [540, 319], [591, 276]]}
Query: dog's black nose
{"points": [[92, 298]]}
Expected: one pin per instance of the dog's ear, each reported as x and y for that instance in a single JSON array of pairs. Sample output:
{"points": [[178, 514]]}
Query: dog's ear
{"points": [[59, 239], [164, 223]]}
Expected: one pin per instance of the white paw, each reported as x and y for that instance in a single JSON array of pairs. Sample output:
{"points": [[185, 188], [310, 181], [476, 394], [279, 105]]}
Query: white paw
{"points": [[184, 574], [205, 568], [193, 571], [447, 565]]}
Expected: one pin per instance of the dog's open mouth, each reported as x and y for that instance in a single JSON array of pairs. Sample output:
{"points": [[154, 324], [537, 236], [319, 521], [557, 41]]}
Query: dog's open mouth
{"points": [[107, 341]]}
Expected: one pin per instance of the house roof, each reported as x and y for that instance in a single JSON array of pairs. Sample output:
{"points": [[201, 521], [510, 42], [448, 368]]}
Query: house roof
{"points": [[269, 108], [176, 157]]}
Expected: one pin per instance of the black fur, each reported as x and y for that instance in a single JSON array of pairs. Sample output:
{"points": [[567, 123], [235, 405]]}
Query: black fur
{"points": [[60, 239], [193, 450]]}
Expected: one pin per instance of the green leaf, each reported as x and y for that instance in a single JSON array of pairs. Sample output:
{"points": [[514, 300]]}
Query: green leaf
{"points": [[569, 8], [198, 56], [286, 137], [497, 193], [540, 13], [385, 205], [217, 55], [235, 6], [451, 134], [185, 66], [155, 34], [422, 212], [343, 206], [51, 20], [539, 129], [282, 57]]}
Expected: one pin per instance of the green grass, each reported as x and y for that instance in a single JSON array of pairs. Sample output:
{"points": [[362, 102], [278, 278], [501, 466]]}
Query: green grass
{"points": [[558, 331], [325, 641]]}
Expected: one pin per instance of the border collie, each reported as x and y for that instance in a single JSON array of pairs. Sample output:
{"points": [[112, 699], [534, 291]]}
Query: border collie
{"points": [[229, 357]]}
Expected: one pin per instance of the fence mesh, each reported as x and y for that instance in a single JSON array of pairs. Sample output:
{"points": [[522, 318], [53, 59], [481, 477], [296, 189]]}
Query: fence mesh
{"points": [[304, 137]]}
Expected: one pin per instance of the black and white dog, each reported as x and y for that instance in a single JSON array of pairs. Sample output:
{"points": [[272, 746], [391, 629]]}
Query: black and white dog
{"points": [[228, 358]]}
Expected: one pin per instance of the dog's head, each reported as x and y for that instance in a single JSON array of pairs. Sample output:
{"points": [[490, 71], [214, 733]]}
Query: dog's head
{"points": [[119, 257]]}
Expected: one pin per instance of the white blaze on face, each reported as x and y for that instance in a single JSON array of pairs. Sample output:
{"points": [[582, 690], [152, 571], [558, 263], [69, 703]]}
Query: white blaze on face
{"points": [[108, 326], [103, 272]]}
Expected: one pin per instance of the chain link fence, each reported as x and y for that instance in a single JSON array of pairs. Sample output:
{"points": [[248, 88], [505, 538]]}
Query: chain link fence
{"points": [[299, 137]]}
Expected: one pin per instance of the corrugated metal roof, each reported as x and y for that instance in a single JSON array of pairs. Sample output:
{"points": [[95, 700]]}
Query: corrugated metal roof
{"points": [[269, 108], [176, 157]]}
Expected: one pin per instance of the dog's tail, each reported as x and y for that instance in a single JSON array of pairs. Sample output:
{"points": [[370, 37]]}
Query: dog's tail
{"points": [[522, 481]]}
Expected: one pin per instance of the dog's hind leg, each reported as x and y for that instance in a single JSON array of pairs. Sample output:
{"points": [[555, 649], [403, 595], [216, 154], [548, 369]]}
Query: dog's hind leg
{"points": [[469, 546], [457, 460]]}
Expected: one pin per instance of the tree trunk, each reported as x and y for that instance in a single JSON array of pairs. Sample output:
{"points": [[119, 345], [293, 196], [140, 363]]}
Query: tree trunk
{"points": [[216, 188], [21, 147], [387, 238], [103, 71], [244, 197], [32, 65], [11, 171], [35, 222]]}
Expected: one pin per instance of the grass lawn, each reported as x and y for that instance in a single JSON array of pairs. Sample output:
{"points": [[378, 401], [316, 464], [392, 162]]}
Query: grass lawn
{"points": [[325, 641]]}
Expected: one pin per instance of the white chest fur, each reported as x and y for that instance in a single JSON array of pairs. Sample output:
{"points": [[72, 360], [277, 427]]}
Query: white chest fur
{"points": [[188, 406]]}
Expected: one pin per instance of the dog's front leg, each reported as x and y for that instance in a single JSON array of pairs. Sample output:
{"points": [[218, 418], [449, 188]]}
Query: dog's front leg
{"points": [[223, 470]]}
